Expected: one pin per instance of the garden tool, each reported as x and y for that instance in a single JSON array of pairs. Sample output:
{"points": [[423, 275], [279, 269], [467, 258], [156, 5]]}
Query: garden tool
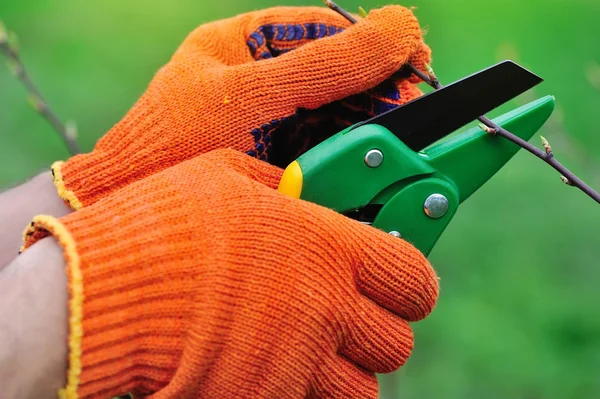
{"points": [[401, 173]]}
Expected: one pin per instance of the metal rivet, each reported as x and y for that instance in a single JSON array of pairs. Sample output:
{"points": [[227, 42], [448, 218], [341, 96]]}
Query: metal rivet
{"points": [[374, 158], [436, 206], [394, 233]]}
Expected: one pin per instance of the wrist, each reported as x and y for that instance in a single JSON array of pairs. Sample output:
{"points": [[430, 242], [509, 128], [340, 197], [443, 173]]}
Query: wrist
{"points": [[19, 205], [33, 323]]}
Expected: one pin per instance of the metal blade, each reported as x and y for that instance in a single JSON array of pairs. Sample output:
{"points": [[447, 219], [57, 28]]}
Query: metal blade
{"points": [[433, 116]]}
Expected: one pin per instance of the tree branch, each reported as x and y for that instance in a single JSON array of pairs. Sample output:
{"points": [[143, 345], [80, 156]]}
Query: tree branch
{"points": [[67, 132], [567, 176]]}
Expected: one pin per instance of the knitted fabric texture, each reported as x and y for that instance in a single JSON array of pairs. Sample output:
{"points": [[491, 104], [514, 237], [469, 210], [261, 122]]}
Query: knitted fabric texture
{"points": [[203, 281], [214, 93]]}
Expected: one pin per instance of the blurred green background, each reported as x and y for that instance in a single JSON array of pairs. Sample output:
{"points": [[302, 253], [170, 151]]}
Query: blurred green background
{"points": [[519, 314]]}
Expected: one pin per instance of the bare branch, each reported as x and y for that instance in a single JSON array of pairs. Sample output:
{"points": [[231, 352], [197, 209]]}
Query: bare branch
{"points": [[487, 125], [9, 48], [340, 10]]}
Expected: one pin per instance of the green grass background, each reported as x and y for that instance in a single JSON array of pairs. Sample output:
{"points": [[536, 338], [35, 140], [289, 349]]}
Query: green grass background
{"points": [[519, 313]]}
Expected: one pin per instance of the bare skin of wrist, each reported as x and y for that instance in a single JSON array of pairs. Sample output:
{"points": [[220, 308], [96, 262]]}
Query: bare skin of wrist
{"points": [[19, 205], [33, 323]]}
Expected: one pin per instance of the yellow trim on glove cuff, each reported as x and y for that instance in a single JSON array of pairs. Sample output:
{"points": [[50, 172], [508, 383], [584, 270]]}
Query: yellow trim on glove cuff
{"points": [[40, 227], [67, 195]]}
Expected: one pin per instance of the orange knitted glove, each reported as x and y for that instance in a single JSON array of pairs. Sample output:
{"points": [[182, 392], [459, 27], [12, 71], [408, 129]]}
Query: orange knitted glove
{"points": [[203, 281], [213, 94]]}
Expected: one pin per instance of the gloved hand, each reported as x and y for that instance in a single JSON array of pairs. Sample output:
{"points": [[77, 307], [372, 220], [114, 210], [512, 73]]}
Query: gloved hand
{"points": [[203, 281], [214, 94]]}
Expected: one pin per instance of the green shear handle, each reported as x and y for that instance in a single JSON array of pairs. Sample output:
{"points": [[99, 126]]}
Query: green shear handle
{"points": [[368, 173]]}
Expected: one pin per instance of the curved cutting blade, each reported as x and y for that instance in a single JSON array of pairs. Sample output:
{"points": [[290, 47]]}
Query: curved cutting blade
{"points": [[433, 116]]}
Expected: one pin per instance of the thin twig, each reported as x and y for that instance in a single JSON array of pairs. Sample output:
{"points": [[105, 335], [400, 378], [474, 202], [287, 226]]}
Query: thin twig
{"points": [[571, 178], [10, 50], [566, 175], [331, 4]]}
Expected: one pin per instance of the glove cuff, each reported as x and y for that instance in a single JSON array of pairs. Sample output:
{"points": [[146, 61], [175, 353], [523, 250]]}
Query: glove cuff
{"points": [[67, 195], [39, 228], [86, 178], [126, 324]]}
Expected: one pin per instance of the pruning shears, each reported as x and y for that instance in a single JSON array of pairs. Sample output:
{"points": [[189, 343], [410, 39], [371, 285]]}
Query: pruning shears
{"points": [[400, 173]]}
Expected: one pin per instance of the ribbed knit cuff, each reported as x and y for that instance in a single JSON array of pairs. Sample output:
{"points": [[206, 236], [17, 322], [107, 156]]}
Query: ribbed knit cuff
{"points": [[39, 228], [67, 195], [125, 325], [86, 178]]}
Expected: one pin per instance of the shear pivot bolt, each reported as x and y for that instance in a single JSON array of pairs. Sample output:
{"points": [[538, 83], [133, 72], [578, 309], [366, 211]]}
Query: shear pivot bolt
{"points": [[394, 233], [374, 158], [436, 206]]}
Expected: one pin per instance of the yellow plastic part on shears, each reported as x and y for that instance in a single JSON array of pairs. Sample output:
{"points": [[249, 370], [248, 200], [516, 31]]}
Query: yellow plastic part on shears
{"points": [[291, 181]]}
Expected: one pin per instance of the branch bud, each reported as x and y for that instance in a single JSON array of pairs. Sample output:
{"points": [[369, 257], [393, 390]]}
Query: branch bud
{"points": [[37, 103], [71, 129], [487, 129], [362, 12], [429, 69], [546, 145], [15, 68], [565, 180], [430, 72]]}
